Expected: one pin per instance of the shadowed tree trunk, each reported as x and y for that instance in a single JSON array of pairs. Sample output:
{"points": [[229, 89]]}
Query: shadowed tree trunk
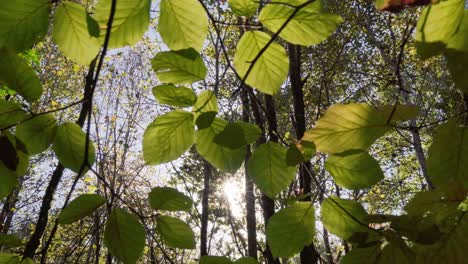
{"points": [[309, 253], [41, 224], [249, 188]]}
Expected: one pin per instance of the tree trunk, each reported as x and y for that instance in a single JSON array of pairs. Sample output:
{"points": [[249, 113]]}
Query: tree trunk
{"points": [[204, 216], [41, 224], [249, 188], [6, 215], [268, 203], [308, 254]]}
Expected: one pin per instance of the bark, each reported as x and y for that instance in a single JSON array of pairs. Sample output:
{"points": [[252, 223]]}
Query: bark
{"points": [[249, 189], [268, 203], [204, 216], [309, 254], [6, 215], [41, 224]]}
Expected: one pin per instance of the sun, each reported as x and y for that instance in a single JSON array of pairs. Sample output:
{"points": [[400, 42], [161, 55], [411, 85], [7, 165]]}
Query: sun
{"points": [[233, 190]]}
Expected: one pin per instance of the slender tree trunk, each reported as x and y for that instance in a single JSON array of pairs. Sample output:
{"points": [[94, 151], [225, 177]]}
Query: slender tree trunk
{"points": [[249, 188], [204, 216], [41, 224], [268, 203], [309, 253], [6, 215], [417, 143]]}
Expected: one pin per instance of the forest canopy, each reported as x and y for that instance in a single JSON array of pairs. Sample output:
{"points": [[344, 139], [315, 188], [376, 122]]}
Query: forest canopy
{"points": [[233, 132]]}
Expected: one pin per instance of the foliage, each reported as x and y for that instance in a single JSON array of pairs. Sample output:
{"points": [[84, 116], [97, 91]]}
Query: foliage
{"points": [[341, 142]]}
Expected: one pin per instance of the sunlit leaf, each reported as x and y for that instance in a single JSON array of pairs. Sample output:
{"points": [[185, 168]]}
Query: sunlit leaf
{"points": [[175, 96], [206, 102], [347, 126], [124, 236], [188, 19], [354, 169], [72, 35], [436, 26], [70, 145], [346, 219], [223, 158], [131, 21], [175, 233], [168, 137], [291, 229], [169, 199], [244, 7], [179, 67], [309, 26], [270, 70], [238, 134], [268, 169], [84, 205]]}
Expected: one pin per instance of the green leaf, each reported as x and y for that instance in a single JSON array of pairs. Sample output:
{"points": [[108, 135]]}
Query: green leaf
{"points": [[251, 132], [238, 134], [451, 248], [387, 253], [354, 169], [347, 126], [206, 102], [232, 136], [214, 260], [69, 146], [9, 259], [299, 153], [27, 261], [400, 113], [447, 162], [457, 55], [10, 241], [124, 236], [84, 205], [10, 113], [437, 204], [269, 170], [168, 137], [436, 26], [205, 120], [23, 23], [346, 219], [169, 199], [309, 26], [131, 21], [175, 96], [188, 19], [19, 76], [175, 233], [72, 35], [291, 229], [244, 7], [8, 180], [270, 70], [246, 260], [179, 67], [223, 158], [37, 133]]}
